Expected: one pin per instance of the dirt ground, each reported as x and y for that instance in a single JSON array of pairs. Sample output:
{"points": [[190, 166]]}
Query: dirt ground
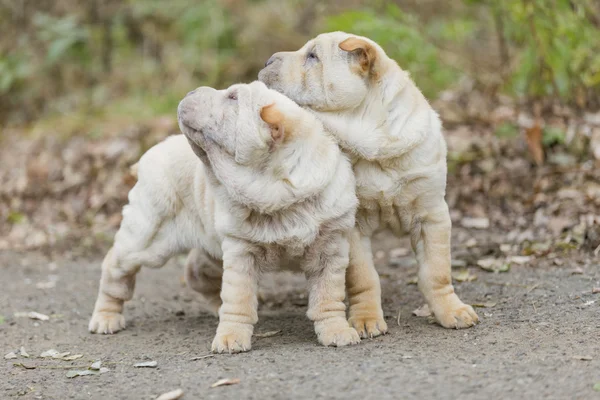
{"points": [[539, 337]]}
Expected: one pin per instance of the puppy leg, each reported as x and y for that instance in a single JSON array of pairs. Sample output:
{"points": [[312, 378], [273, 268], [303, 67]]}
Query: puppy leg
{"points": [[431, 243], [364, 289], [238, 313], [326, 270], [203, 274]]}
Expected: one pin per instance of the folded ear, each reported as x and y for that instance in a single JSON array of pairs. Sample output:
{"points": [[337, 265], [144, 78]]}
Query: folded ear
{"points": [[366, 52], [276, 120]]}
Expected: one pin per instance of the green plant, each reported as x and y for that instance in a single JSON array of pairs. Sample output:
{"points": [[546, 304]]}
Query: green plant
{"points": [[401, 37]]}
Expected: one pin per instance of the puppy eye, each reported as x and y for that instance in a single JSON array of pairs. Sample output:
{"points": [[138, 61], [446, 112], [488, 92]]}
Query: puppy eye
{"points": [[312, 56], [232, 96]]}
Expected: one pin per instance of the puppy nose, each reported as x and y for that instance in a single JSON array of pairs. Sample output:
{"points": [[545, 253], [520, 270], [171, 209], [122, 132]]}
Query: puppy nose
{"points": [[271, 60]]}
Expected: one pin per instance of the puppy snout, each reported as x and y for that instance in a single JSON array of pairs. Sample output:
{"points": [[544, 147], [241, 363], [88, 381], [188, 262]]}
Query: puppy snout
{"points": [[272, 59]]}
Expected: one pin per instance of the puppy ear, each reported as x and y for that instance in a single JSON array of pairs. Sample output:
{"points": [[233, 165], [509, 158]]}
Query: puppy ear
{"points": [[367, 54], [275, 118]]}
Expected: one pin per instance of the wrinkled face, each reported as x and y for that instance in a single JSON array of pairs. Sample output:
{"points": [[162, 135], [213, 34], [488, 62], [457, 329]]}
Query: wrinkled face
{"points": [[329, 73], [230, 119]]}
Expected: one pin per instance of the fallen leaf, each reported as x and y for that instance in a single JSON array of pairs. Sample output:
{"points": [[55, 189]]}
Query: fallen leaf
{"points": [[32, 315], [475, 223], [172, 395], [583, 358], [487, 304], [202, 357], [96, 365], [49, 353], [73, 357], [266, 334], [596, 290], [534, 143], [577, 271], [493, 265], [84, 372], [23, 352], [225, 382], [146, 364], [10, 356], [413, 281], [61, 356], [520, 260], [597, 387], [422, 311], [463, 275], [24, 366]]}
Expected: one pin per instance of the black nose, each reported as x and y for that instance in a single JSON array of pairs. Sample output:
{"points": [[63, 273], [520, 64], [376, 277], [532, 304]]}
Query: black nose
{"points": [[271, 60]]}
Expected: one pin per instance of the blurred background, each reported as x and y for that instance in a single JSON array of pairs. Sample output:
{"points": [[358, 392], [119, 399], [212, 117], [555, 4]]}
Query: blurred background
{"points": [[87, 86]]}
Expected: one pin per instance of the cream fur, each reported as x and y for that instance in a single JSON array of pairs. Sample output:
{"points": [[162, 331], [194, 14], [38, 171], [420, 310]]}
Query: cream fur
{"points": [[245, 199], [381, 119]]}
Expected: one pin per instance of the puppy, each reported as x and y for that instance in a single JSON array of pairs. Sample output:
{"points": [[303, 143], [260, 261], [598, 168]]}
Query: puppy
{"points": [[394, 137], [255, 182]]}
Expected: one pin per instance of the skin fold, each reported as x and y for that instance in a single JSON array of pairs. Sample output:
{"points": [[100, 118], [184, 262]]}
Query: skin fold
{"points": [[394, 138], [253, 184]]}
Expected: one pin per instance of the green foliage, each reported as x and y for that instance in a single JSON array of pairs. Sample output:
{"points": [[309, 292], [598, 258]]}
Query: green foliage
{"points": [[552, 135], [555, 46], [507, 130], [399, 35]]}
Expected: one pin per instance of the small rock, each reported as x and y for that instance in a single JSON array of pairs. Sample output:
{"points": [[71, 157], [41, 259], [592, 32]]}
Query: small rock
{"points": [[10, 356]]}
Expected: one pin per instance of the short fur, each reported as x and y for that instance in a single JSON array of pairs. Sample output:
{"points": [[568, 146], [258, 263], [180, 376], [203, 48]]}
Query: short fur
{"points": [[394, 137], [267, 192]]}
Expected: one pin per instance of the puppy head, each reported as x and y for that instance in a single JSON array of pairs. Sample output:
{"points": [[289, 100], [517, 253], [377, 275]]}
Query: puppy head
{"points": [[332, 72], [245, 122]]}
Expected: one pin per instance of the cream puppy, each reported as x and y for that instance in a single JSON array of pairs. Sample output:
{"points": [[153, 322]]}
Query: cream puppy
{"points": [[394, 137], [254, 183]]}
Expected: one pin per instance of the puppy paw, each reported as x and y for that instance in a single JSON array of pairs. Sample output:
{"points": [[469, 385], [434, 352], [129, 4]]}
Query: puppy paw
{"points": [[338, 336], [106, 322], [232, 338], [455, 314], [368, 326]]}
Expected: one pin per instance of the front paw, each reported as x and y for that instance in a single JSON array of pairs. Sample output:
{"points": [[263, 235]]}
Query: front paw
{"points": [[337, 334], [454, 314], [106, 322], [368, 326], [232, 338]]}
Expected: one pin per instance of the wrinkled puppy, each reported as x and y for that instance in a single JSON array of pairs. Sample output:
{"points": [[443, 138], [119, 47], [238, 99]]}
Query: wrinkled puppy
{"points": [[255, 182], [395, 138]]}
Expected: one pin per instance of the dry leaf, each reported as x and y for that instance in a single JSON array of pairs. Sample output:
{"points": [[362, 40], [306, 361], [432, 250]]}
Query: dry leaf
{"points": [[49, 353], [583, 358], [493, 265], [10, 356], [225, 382], [23, 352], [422, 311], [520, 260], [475, 223], [24, 366], [202, 357], [266, 334], [534, 143], [73, 357], [596, 290], [172, 395], [74, 373], [487, 304], [32, 315], [463, 275], [147, 364], [96, 365]]}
